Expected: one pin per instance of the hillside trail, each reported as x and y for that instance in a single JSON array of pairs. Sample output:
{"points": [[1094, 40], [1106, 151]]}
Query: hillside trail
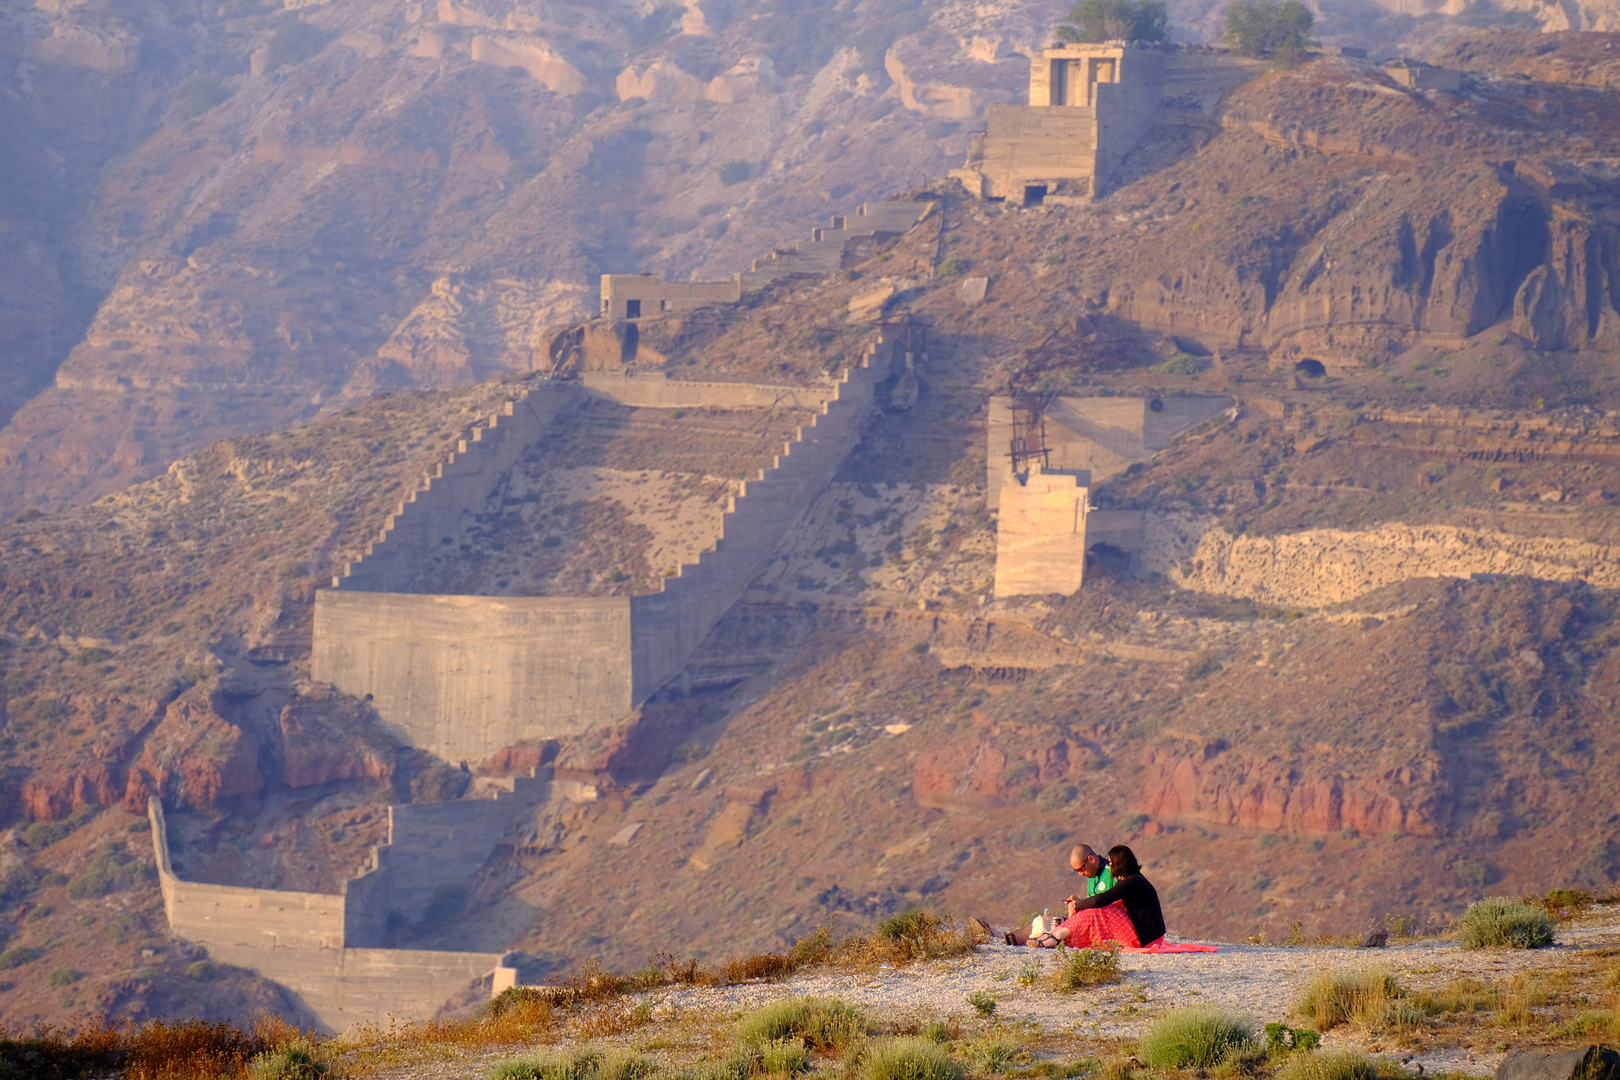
{"points": [[1256, 981]]}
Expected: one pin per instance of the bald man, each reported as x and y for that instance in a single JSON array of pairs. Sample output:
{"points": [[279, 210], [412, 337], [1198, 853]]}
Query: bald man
{"points": [[1088, 864], [1093, 867]]}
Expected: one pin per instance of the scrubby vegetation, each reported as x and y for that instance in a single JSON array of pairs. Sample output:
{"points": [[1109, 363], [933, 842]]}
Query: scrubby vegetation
{"points": [[1500, 922], [1079, 968], [1193, 1039], [1328, 1065], [1365, 997]]}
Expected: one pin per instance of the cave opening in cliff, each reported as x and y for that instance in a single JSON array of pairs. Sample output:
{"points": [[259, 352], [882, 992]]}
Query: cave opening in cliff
{"points": [[1034, 194], [1313, 368]]}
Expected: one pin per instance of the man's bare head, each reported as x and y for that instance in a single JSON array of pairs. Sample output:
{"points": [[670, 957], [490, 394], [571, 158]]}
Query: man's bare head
{"points": [[1086, 861]]}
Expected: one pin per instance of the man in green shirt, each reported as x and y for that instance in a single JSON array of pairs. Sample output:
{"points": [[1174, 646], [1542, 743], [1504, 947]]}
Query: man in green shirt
{"points": [[1093, 867], [1085, 862]]}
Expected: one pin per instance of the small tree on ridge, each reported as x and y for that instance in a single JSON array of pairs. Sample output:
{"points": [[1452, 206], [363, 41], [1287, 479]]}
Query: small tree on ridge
{"points": [[1116, 20], [1266, 28]]}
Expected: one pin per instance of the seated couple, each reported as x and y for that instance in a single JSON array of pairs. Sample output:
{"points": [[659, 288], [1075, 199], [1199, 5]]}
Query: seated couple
{"points": [[1120, 905]]}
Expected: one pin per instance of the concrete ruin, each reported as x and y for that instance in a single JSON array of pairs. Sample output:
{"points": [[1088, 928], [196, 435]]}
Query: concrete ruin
{"points": [[1416, 75], [641, 296], [465, 676], [1089, 106], [1045, 522], [325, 950]]}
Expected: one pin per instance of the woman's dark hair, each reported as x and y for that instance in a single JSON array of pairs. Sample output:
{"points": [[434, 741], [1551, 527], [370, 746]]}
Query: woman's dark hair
{"points": [[1122, 860]]}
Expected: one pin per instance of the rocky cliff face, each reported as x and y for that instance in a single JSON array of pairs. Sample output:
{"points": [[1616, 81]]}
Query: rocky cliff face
{"points": [[1344, 218], [323, 203]]}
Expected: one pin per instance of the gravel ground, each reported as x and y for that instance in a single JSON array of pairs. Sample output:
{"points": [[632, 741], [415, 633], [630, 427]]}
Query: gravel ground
{"points": [[1258, 981]]}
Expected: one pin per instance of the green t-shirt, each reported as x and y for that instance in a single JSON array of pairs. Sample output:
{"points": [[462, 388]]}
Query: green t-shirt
{"points": [[1101, 882]]}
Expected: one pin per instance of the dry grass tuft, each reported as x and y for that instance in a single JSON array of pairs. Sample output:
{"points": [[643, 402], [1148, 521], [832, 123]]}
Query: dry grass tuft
{"points": [[823, 1023], [159, 1050], [1078, 968], [1366, 997], [1193, 1039]]}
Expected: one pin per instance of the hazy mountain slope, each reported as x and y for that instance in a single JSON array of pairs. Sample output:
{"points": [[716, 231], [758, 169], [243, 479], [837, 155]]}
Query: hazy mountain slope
{"points": [[355, 197]]}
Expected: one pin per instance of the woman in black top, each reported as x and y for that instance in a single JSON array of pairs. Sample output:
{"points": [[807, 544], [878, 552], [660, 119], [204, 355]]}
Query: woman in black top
{"points": [[1128, 912]]}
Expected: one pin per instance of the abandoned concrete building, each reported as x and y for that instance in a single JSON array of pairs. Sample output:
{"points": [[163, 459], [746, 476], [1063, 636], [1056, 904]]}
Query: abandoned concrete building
{"points": [[1044, 457], [1089, 105], [639, 296]]}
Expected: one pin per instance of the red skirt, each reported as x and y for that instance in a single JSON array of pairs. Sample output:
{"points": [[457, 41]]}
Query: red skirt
{"points": [[1092, 927]]}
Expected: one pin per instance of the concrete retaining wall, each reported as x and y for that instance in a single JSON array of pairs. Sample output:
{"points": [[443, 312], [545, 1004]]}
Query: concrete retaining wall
{"points": [[463, 676], [431, 845], [668, 625], [1041, 533], [823, 253], [298, 940]]}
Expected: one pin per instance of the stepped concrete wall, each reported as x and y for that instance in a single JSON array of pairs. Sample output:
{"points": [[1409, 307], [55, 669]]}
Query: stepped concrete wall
{"points": [[300, 940], [458, 486], [668, 625], [641, 296], [464, 676], [431, 845]]}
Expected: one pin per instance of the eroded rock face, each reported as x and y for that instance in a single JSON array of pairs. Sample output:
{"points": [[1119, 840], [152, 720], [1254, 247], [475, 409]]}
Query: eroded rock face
{"points": [[1318, 567], [324, 738], [195, 757], [1216, 787]]}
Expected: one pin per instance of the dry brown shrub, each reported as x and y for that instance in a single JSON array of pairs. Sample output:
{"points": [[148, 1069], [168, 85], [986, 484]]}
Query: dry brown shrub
{"points": [[157, 1050]]}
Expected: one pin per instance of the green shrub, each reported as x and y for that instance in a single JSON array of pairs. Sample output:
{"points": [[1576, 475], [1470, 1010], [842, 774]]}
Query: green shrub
{"points": [[1180, 364], [953, 266], [581, 1065], [1057, 796], [735, 172], [1261, 27], [65, 976], [1193, 1039], [1079, 968], [982, 1003], [296, 1059], [199, 95], [111, 870], [1115, 20], [42, 834], [824, 1023], [1361, 996], [1329, 1065], [201, 970], [17, 956], [1037, 834], [909, 1059], [1501, 922]]}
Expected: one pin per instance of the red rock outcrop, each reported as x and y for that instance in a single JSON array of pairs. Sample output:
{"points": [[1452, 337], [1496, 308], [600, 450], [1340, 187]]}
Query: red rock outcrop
{"points": [[960, 776], [325, 737], [195, 757], [1220, 787], [512, 760]]}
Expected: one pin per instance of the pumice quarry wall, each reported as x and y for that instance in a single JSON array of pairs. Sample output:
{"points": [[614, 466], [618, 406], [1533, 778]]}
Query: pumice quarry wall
{"points": [[464, 676], [323, 948]]}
